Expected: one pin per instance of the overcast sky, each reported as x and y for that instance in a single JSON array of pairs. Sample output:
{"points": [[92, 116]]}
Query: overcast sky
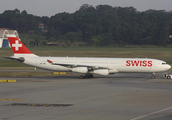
{"points": [[52, 7]]}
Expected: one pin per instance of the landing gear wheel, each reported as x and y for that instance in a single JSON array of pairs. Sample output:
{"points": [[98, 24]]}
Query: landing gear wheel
{"points": [[153, 76], [91, 76], [81, 77], [87, 76], [168, 77]]}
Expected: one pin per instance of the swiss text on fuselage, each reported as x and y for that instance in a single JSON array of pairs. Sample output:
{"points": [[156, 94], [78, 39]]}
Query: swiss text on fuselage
{"points": [[140, 63]]}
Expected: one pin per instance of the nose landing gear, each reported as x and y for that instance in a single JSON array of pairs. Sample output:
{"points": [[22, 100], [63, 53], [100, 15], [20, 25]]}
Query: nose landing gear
{"points": [[153, 76]]}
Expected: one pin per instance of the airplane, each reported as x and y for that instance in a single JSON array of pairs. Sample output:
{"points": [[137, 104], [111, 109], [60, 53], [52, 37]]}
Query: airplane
{"points": [[84, 65]]}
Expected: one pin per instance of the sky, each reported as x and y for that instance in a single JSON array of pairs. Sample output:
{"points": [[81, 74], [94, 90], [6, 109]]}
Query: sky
{"points": [[51, 7]]}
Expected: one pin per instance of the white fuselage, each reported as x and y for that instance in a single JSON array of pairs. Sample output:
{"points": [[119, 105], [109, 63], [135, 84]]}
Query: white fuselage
{"points": [[113, 64]]}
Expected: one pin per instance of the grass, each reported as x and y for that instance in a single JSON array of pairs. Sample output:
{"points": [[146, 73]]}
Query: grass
{"points": [[17, 68], [26, 74], [11, 63], [158, 53]]}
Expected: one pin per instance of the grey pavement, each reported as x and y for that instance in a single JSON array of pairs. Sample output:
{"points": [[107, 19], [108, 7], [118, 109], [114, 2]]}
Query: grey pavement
{"points": [[125, 96]]}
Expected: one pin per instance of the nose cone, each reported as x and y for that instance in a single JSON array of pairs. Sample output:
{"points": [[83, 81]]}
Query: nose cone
{"points": [[168, 67]]}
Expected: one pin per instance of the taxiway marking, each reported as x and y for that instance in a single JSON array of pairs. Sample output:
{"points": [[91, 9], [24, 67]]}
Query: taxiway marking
{"points": [[152, 113]]}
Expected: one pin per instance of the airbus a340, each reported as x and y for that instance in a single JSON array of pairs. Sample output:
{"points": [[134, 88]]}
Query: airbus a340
{"points": [[86, 66]]}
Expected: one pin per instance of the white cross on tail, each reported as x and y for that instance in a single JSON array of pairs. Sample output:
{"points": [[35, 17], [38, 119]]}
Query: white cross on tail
{"points": [[16, 45]]}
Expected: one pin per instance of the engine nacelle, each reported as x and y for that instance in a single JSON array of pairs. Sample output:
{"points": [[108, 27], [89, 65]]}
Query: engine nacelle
{"points": [[101, 72], [112, 71], [80, 69]]}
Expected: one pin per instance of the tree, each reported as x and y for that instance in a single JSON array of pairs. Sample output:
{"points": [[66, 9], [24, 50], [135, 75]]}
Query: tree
{"points": [[100, 25], [16, 11], [24, 12]]}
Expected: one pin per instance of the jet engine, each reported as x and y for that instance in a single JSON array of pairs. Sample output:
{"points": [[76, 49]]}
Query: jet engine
{"points": [[80, 69], [101, 72]]}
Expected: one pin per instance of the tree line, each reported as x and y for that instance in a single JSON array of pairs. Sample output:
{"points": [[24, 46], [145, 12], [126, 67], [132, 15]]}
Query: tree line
{"points": [[102, 25]]}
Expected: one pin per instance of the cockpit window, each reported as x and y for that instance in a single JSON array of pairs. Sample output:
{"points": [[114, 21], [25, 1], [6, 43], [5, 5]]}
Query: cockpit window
{"points": [[164, 63]]}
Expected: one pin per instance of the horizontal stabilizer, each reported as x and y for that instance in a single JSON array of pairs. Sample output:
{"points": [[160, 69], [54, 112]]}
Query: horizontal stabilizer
{"points": [[20, 59]]}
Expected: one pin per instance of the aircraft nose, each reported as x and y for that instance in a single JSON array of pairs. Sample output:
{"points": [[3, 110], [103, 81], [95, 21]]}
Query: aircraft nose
{"points": [[168, 67]]}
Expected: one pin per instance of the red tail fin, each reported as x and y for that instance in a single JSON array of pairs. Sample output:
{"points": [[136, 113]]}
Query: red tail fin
{"points": [[18, 47]]}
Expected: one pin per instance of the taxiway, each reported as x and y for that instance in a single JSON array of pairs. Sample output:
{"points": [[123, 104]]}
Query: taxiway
{"points": [[133, 96]]}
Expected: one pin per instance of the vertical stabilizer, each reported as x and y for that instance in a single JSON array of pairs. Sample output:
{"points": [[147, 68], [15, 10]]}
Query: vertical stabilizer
{"points": [[18, 48]]}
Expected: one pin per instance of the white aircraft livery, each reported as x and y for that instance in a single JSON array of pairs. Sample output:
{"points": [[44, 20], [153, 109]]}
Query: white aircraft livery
{"points": [[86, 66]]}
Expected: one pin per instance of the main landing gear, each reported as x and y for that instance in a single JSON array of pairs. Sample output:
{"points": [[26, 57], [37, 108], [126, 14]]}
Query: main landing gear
{"points": [[86, 76], [153, 76]]}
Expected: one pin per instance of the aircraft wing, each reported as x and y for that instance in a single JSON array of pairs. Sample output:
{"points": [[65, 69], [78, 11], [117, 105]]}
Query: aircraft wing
{"points": [[77, 65]]}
